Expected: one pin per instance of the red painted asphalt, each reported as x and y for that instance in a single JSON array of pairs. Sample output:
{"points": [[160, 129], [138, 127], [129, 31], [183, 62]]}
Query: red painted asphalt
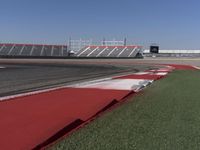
{"points": [[145, 76], [29, 121], [182, 67]]}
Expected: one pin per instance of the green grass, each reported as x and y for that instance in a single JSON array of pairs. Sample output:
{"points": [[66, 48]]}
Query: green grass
{"points": [[165, 117]]}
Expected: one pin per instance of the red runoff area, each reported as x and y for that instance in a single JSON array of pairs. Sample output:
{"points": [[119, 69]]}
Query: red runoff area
{"points": [[29, 121], [183, 67], [145, 77]]}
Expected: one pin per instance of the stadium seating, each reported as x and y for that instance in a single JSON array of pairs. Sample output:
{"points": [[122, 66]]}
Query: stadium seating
{"points": [[110, 51], [32, 50], [5, 49], [47, 51], [16, 50]]}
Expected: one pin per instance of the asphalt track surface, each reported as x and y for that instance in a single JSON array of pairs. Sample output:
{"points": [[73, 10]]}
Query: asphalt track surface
{"points": [[20, 76], [26, 75]]}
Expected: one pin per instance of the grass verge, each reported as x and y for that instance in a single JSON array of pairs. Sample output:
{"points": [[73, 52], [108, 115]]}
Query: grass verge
{"points": [[165, 116]]}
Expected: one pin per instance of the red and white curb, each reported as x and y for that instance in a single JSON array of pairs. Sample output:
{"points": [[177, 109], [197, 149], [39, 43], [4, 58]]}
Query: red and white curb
{"points": [[198, 68], [118, 84], [126, 82]]}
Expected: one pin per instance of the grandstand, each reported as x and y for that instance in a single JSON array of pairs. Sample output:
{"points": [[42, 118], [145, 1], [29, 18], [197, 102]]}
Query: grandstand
{"points": [[36, 50], [90, 51], [33, 50], [110, 52]]}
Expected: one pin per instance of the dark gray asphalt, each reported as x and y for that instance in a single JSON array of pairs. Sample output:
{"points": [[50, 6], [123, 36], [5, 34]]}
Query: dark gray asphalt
{"points": [[25, 76]]}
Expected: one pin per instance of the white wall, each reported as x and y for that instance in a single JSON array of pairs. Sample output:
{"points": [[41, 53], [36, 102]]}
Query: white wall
{"points": [[176, 51]]}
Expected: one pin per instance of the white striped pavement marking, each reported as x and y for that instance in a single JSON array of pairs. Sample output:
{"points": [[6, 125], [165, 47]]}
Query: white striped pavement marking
{"points": [[161, 73], [152, 73], [119, 84], [142, 73], [161, 70], [198, 68]]}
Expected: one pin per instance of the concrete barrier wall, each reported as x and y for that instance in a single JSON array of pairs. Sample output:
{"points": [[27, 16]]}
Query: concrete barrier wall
{"points": [[176, 51]]}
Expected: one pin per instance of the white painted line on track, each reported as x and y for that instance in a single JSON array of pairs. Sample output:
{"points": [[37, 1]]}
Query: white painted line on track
{"points": [[119, 84], [1, 67], [198, 68], [27, 94], [142, 73], [50, 89], [161, 70], [152, 73], [89, 82], [161, 73]]}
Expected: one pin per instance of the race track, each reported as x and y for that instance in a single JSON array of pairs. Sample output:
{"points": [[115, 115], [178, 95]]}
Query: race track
{"points": [[19, 76]]}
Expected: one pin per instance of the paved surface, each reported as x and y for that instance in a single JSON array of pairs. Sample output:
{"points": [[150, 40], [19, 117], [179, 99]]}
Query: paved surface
{"points": [[119, 62], [18, 76], [23, 75]]}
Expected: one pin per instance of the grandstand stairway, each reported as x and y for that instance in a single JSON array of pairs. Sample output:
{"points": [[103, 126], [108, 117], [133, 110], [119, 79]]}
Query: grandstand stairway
{"points": [[32, 50], [110, 51]]}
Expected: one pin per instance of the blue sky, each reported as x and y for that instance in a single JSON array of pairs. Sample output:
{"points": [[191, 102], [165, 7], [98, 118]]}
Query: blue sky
{"points": [[170, 23]]}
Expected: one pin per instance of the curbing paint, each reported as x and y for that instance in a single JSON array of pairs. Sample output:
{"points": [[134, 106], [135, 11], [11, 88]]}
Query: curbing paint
{"points": [[198, 68], [119, 84]]}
